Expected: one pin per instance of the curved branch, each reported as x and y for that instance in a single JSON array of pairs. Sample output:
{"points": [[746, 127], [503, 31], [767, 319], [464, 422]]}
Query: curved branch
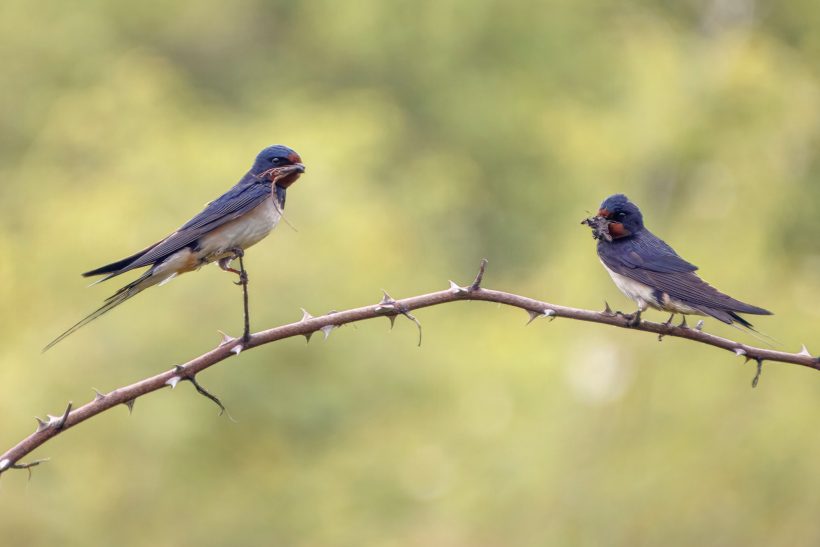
{"points": [[386, 308]]}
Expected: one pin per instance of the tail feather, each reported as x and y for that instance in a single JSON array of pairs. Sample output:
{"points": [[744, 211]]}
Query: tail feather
{"points": [[118, 267], [111, 302]]}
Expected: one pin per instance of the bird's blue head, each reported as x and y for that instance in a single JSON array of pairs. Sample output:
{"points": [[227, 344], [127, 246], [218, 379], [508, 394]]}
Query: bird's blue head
{"points": [[625, 217], [278, 164]]}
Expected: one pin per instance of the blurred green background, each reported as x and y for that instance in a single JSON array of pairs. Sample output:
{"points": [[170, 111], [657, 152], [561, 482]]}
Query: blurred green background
{"points": [[435, 134]]}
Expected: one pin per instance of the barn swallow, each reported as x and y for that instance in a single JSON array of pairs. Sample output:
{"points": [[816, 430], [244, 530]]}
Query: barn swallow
{"points": [[651, 273], [227, 226]]}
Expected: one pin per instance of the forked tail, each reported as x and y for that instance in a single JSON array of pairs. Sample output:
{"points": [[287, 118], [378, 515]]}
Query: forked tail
{"points": [[111, 302]]}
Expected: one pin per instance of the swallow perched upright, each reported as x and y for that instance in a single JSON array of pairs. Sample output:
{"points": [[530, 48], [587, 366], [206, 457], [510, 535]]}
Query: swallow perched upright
{"points": [[227, 226], [651, 273]]}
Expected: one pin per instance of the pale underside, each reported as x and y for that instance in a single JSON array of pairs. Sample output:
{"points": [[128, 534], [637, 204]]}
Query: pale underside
{"points": [[240, 233], [645, 296]]}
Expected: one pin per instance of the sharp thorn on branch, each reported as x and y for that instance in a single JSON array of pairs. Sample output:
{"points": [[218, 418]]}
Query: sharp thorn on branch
{"points": [[4, 464], [550, 313], [326, 330], [59, 422], [699, 325], [533, 315], [740, 352], [307, 337], [225, 338], [479, 276], [173, 381], [237, 349], [305, 315], [130, 404], [41, 425], [456, 289], [97, 395], [607, 309], [804, 351], [392, 319], [756, 379], [386, 299]]}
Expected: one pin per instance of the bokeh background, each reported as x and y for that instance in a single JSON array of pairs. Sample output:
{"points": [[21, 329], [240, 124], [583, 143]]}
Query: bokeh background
{"points": [[435, 134]]}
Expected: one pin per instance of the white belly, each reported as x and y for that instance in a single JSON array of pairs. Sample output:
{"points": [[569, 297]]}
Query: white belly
{"points": [[243, 232], [644, 295], [640, 293]]}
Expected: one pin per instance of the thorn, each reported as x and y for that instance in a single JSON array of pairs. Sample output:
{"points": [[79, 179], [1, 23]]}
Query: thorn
{"points": [[758, 373], [307, 337], [58, 422], [740, 352], [4, 464], [130, 404], [455, 289], [305, 315], [97, 395], [607, 309], [549, 313], [179, 368], [699, 325], [226, 338], [386, 299], [41, 425], [173, 381], [804, 351], [326, 330], [533, 316], [237, 349]]}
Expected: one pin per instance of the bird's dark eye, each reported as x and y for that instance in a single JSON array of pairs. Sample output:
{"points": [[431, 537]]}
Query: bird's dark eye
{"points": [[620, 214], [276, 161]]}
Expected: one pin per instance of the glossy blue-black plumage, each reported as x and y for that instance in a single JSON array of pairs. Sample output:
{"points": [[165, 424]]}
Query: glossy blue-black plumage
{"points": [[643, 257], [250, 191]]}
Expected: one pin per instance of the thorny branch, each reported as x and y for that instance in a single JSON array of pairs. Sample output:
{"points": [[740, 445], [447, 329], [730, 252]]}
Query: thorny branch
{"points": [[387, 307]]}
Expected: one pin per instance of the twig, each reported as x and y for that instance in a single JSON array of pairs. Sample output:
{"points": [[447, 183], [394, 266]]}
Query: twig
{"points": [[387, 307]]}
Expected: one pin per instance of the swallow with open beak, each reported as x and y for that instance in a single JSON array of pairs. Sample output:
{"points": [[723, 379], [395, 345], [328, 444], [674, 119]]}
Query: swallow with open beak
{"points": [[241, 217], [651, 273]]}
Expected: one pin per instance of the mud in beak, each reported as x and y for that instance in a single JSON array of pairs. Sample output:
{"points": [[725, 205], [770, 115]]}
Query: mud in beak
{"points": [[600, 226], [287, 175]]}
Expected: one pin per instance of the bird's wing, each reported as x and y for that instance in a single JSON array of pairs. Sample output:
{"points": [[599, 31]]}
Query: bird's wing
{"points": [[647, 251], [231, 205], [662, 269]]}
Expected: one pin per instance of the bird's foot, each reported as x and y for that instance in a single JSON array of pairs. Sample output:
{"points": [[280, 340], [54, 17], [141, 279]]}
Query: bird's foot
{"points": [[243, 278], [241, 272], [632, 319]]}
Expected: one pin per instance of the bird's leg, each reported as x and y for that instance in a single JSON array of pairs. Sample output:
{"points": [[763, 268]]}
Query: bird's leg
{"points": [[667, 324], [243, 281], [683, 324]]}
